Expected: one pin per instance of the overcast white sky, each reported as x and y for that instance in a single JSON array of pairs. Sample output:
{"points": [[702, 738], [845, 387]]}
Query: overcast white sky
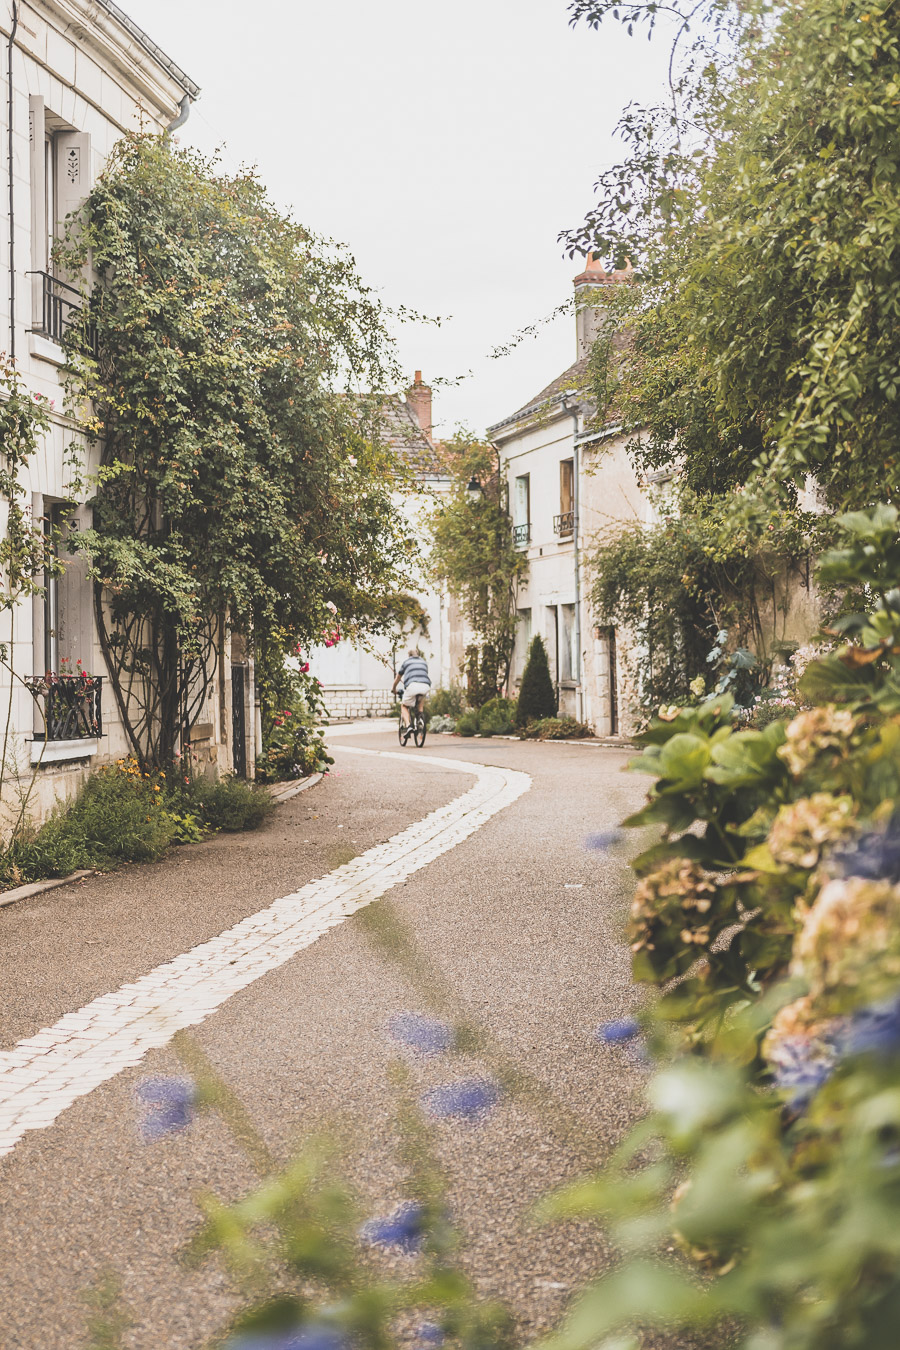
{"points": [[446, 143]]}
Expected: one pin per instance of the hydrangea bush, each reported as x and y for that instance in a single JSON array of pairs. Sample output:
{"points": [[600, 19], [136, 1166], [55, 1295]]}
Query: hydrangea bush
{"points": [[767, 916]]}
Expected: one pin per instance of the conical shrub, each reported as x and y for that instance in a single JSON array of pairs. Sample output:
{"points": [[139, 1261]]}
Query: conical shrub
{"points": [[537, 697]]}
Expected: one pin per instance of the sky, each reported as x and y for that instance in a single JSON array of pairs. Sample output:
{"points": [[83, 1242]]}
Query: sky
{"points": [[445, 145]]}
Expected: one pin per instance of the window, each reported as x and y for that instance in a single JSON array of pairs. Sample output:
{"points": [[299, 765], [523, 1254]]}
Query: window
{"points": [[567, 661], [564, 523], [60, 180], [522, 511], [51, 596], [523, 640]]}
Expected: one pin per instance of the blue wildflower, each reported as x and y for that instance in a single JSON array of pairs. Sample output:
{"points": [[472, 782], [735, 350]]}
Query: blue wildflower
{"points": [[425, 1034], [603, 840], [169, 1105], [429, 1333], [470, 1099], [873, 1030], [401, 1229], [624, 1029]]}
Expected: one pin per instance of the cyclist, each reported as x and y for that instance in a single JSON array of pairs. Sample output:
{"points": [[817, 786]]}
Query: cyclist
{"points": [[416, 681]]}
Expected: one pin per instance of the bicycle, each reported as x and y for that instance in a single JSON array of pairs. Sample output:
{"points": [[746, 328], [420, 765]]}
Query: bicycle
{"points": [[416, 727]]}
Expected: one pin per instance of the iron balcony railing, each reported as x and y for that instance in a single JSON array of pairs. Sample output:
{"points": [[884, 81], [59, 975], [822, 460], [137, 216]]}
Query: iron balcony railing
{"points": [[564, 523], [521, 535], [62, 307], [72, 704]]}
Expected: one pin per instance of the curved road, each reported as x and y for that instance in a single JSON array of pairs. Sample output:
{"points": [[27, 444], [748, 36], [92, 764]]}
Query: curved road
{"points": [[263, 945]]}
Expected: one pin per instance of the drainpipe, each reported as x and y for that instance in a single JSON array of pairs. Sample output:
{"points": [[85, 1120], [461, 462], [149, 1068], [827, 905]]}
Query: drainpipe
{"points": [[12, 205], [183, 115], [576, 475]]}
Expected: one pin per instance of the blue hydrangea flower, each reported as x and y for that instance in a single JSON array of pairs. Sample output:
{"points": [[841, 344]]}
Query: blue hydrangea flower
{"points": [[169, 1105], [874, 856], [801, 1069], [314, 1336], [614, 1033], [425, 1034], [401, 1229], [873, 1030], [470, 1099], [603, 840]]}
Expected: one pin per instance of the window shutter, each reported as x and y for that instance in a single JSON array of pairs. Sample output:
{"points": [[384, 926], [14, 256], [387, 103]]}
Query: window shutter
{"points": [[73, 181], [37, 174], [566, 485]]}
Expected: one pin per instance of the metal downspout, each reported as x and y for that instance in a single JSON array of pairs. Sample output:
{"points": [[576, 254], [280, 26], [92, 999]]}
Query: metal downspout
{"points": [[183, 115], [579, 687], [10, 166]]}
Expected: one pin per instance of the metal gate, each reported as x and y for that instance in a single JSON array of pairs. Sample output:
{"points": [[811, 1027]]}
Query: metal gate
{"points": [[239, 720]]}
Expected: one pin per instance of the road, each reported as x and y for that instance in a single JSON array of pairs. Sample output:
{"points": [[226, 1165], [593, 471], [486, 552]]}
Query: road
{"points": [[508, 912]]}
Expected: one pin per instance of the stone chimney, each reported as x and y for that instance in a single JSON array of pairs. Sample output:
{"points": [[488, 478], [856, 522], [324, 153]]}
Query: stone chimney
{"points": [[418, 397], [590, 300]]}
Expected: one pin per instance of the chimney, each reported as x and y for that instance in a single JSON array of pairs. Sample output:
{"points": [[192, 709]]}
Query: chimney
{"points": [[590, 301], [418, 397]]}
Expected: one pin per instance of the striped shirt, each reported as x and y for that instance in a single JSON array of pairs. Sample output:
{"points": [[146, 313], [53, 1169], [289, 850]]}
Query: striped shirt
{"points": [[415, 671]]}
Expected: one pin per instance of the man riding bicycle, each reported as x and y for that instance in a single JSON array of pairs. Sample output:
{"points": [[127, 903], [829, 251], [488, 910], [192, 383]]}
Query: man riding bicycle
{"points": [[416, 681]]}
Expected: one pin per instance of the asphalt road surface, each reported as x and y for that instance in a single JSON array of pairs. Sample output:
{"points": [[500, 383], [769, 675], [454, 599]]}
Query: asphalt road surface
{"points": [[512, 915]]}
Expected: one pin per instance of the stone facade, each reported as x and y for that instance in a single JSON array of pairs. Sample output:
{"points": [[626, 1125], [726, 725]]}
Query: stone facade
{"points": [[83, 75]]}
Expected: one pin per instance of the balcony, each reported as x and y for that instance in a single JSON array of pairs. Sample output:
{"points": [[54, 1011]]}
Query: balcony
{"points": [[72, 705], [521, 535], [62, 307], [564, 524]]}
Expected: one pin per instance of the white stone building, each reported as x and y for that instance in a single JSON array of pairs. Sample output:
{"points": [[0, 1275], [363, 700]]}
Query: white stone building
{"points": [[356, 678], [567, 480], [82, 75]]}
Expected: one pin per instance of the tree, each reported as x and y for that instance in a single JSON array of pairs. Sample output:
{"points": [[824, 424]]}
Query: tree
{"points": [[537, 697], [239, 475], [762, 205], [473, 553]]}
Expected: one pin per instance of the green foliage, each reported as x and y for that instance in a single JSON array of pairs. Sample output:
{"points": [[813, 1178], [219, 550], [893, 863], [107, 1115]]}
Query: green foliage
{"points": [[440, 723], [537, 697], [761, 206], [120, 815], [237, 482], [292, 711], [294, 1239], [711, 566], [556, 729], [473, 554], [128, 814], [497, 717], [230, 803], [449, 702], [771, 900], [467, 725]]}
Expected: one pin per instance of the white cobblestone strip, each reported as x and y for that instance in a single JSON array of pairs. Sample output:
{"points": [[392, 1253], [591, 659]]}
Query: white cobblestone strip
{"points": [[47, 1072]]}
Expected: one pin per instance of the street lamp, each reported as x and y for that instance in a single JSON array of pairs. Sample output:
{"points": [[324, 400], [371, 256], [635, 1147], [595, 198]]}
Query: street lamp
{"points": [[474, 489]]}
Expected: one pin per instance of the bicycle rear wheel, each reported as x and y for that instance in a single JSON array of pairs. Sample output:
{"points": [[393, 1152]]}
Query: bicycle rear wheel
{"points": [[419, 730]]}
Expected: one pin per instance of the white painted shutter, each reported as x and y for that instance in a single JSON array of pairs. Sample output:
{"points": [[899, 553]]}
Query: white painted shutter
{"points": [[37, 173], [73, 181]]}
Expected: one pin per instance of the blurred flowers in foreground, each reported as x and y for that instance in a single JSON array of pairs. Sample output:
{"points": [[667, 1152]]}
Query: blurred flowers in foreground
{"points": [[168, 1106]]}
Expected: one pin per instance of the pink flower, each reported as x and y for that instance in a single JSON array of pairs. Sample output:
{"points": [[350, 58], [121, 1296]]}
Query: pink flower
{"points": [[304, 668]]}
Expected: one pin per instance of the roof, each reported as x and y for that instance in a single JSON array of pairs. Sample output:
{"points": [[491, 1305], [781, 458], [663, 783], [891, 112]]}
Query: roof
{"points": [[405, 437], [149, 46], [573, 382]]}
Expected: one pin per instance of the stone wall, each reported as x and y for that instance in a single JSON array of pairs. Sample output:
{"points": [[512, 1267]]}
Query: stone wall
{"points": [[355, 701]]}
